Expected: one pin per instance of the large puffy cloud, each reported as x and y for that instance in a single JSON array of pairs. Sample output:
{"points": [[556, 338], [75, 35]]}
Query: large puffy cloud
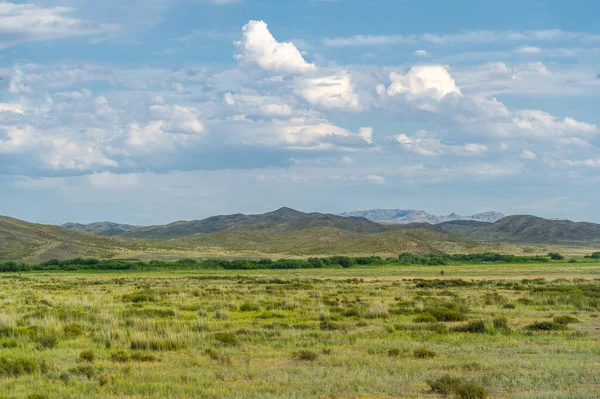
{"points": [[422, 81], [258, 46]]}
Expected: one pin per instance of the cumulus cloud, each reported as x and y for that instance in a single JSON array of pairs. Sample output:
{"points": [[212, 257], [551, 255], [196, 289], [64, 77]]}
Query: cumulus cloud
{"points": [[258, 46], [422, 81], [330, 91]]}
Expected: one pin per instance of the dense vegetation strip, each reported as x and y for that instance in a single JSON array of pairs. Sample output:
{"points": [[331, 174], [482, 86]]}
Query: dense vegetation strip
{"points": [[250, 264]]}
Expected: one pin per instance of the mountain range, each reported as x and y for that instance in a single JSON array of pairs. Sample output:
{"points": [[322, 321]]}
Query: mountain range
{"points": [[406, 216], [286, 232]]}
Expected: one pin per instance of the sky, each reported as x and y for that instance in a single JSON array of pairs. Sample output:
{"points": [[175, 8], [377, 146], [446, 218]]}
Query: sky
{"points": [[151, 111]]}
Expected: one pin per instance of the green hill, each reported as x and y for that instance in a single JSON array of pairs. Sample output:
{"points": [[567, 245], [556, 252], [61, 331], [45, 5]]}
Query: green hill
{"points": [[281, 220], [322, 241], [21, 240], [528, 229]]}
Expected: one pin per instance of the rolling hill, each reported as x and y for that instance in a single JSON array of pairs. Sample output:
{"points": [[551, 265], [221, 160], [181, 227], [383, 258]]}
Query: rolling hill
{"points": [[527, 229], [406, 216], [281, 220], [21, 240]]}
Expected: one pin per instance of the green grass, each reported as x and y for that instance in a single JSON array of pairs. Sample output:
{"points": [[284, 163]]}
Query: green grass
{"points": [[365, 331]]}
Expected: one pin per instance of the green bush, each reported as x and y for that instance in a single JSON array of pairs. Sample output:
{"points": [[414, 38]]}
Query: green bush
{"points": [[249, 307], [120, 356], [546, 326], [425, 318], [14, 367], [424, 353], [476, 327], [48, 341], [444, 314], [306, 355], [143, 357], [555, 256], [462, 389], [87, 356], [87, 371], [500, 324]]}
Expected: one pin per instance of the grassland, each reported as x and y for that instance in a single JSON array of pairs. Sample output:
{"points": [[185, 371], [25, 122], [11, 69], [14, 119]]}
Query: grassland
{"points": [[514, 330]]}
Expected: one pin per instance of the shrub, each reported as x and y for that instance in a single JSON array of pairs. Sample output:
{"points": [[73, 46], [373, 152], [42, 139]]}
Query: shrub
{"points": [[37, 396], [470, 390], [476, 327], [226, 338], [462, 389], [501, 324], [444, 314], [249, 307], [14, 367], [424, 353], [509, 306], [425, 318], [141, 296], [565, 320], [555, 256], [143, 357], [87, 356], [445, 385], [154, 345], [73, 330], [84, 370], [595, 255], [48, 341], [120, 356], [306, 355], [546, 326], [394, 352]]}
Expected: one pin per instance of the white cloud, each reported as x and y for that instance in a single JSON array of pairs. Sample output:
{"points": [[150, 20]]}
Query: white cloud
{"points": [[421, 53], [528, 50], [472, 37], [426, 144], [258, 105], [590, 163], [331, 91], [258, 46], [422, 81], [8, 107], [376, 179], [526, 154], [29, 22]]}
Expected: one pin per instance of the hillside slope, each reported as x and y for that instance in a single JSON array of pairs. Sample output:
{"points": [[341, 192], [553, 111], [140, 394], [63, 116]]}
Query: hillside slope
{"points": [[281, 220], [323, 241], [21, 240], [528, 229]]}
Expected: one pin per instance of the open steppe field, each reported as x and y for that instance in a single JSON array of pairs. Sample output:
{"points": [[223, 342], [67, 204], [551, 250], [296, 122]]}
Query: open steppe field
{"points": [[497, 331]]}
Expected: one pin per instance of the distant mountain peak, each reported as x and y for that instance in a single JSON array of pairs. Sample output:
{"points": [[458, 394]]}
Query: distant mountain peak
{"points": [[406, 216]]}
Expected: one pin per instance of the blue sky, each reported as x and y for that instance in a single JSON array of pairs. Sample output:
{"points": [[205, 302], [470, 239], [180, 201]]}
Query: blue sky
{"points": [[153, 111]]}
